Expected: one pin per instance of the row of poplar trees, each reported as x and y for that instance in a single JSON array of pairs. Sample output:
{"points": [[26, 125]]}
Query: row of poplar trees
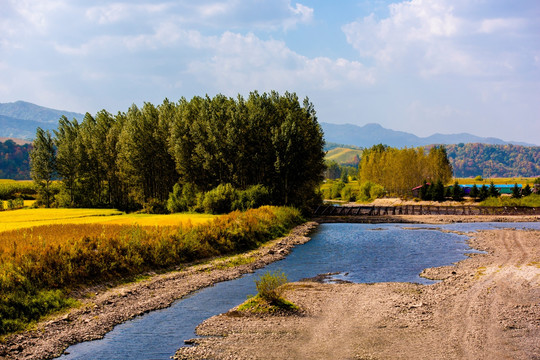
{"points": [[400, 170], [130, 159]]}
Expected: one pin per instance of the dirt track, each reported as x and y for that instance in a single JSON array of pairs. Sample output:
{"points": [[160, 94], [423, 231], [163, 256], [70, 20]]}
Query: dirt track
{"points": [[486, 307]]}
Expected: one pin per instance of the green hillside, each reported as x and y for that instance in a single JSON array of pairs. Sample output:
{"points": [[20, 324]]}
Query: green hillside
{"points": [[344, 155]]}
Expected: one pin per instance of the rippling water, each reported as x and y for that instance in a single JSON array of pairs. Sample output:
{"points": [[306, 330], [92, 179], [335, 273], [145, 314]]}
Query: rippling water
{"points": [[357, 252]]}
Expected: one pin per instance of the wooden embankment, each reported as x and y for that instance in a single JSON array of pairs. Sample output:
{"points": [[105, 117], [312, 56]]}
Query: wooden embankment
{"points": [[330, 210]]}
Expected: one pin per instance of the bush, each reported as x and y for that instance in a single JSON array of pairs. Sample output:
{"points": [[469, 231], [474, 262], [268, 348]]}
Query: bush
{"points": [[528, 201], [183, 198], [154, 206], [347, 194], [370, 191], [220, 199], [252, 198], [335, 190], [479, 178], [269, 286]]}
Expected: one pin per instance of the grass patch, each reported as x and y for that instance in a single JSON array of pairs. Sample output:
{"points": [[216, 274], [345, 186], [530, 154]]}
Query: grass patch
{"points": [[259, 305], [235, 260], [269, 299], [528, 201]]}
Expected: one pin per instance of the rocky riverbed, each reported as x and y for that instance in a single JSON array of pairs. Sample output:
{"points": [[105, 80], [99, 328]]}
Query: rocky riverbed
{"points": [[485, 307]]}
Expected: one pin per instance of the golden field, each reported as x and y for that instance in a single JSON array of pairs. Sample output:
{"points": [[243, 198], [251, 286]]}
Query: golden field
{"points": [[28, 218], [497, 181]]}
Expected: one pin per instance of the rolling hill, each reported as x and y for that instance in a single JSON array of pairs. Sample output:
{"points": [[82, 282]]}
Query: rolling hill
{"points": [[20, 119], [344, 156]]}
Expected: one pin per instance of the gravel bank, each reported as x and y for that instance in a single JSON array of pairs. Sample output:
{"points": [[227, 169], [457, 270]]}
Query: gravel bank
{"points": [[485, 307]]}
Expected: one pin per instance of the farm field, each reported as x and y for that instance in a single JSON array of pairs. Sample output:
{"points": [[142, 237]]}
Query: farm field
{"points": [[497, 181], [342, 155], [28, 218]]}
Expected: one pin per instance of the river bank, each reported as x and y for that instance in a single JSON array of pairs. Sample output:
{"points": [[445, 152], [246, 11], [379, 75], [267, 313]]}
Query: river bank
{"points": [[484, 307], [103, 308]]}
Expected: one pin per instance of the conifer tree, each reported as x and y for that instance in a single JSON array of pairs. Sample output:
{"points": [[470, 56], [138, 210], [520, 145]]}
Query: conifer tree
{"points": [[516, 192], [457, 192], [483, 194], [526, 191], [474, 192], [493, 192]]}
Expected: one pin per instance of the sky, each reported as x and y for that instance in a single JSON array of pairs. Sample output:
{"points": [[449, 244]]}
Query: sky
{"points": [[421, 66]]}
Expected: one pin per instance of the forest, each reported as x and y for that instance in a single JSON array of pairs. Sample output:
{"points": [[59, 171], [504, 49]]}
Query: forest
{"points": [[470, 160], [14, 160], [213, 154]]}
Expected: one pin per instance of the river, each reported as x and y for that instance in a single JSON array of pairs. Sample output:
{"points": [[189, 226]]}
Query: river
{"points": [[361, 253]]}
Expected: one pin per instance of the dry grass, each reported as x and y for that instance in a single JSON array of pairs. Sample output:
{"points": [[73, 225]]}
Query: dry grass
{"points": [[497, 181], [28, 218]]}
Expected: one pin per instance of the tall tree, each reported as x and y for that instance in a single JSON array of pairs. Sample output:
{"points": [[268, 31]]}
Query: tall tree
{"points": [[67, 163], [43, 161]]}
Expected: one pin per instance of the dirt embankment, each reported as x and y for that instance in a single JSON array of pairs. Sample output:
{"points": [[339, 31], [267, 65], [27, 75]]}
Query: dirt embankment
{"points": [[104, 309], [485, 307]]}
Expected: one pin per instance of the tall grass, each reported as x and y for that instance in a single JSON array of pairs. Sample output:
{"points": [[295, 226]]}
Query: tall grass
{"points": [[532, 200], [40, 266]]}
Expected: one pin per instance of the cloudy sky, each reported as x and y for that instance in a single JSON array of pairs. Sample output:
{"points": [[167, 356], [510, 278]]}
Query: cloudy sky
{"points": [[422, 66]]}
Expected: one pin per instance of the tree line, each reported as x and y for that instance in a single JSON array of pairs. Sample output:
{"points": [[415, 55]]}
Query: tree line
{"points": [[134, 159]]}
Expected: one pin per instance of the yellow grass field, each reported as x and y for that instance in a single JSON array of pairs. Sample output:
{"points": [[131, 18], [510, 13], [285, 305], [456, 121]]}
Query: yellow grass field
{"points": [[28, 218], [497, 181]]}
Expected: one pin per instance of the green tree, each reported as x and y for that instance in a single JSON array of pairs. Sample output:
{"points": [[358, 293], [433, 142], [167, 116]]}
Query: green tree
{"points": [[438, 191], [493, 192], [67, 163], [457, 192], [43, 161], [333, 170], [474, 192], [526, 191], [483, 194], [425, 193], [516, 192]]}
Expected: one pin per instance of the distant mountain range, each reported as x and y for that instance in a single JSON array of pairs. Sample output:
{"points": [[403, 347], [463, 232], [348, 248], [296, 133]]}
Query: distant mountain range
{"points": [[20, 119], [373, 134]]}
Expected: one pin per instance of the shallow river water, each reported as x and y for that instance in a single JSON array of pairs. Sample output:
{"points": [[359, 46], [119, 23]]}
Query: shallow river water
{"points": [[361, 253]]}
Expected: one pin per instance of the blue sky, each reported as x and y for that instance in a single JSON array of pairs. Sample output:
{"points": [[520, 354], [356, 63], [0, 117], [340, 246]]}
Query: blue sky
{"points": [[425, 67]]}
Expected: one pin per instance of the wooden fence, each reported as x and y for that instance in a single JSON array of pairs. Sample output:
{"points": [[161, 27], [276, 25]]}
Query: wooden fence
{"points": [[330, 210]]}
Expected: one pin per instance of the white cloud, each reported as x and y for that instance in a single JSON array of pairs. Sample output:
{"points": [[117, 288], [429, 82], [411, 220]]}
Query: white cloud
{"points": [[489, 26], [247, 63], [117, 12], [432, 38]]}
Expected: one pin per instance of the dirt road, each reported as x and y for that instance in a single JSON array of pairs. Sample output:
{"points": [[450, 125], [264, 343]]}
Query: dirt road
{"points": [[485, 307]]}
